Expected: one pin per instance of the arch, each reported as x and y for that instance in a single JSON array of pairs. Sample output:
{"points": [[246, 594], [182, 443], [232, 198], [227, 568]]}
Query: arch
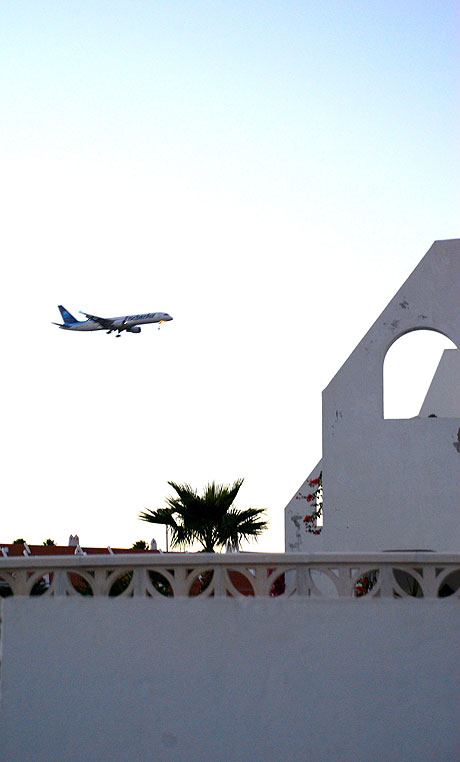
{"points": [[409, 366], [414, 328]]}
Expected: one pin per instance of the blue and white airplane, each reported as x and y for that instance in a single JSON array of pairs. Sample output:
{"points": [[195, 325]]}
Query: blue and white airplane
{"points": [[129, 323]]}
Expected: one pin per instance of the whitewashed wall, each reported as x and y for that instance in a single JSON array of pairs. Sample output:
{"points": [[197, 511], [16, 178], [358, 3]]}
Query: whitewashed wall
{"points": [[392, 484], [230, 681], [443, 396]]}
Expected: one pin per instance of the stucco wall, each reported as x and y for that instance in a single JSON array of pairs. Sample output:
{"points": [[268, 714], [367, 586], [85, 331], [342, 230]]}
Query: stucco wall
{"points": [[392, 484], [443, 396], [230, 681]]}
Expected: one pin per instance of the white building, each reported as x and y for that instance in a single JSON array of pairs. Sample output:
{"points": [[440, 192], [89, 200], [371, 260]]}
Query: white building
{"points": [[392, 484]]}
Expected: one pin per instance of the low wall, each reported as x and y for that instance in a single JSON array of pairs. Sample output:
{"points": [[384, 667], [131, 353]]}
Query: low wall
{"points": [[230, 680]]}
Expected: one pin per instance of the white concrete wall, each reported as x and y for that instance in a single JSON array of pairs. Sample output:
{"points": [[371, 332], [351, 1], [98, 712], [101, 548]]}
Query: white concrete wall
{"points": [[392, 484], [443, 396], [230, 681]]}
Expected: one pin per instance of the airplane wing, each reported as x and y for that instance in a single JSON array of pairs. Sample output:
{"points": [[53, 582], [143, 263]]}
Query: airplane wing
{"points": [[103, 322]]}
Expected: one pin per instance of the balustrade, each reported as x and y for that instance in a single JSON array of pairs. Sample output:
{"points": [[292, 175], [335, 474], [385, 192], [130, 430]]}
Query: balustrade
{"points": [[275, 575]]}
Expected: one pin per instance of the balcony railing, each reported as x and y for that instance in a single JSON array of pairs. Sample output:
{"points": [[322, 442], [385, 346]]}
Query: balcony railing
{"points": [[276, 575]]}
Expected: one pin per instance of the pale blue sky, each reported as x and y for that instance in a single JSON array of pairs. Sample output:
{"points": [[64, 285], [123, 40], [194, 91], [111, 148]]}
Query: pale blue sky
{"points": [[269, 173]]}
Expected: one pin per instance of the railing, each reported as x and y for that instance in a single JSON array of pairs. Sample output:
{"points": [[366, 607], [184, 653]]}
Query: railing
{"points": [[318, 575]]}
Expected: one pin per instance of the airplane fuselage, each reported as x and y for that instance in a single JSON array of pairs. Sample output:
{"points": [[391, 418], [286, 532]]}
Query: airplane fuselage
{"points": [[129, 323], [122, 323]]}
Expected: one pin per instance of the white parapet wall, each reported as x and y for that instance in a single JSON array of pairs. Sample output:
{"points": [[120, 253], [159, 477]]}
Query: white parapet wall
{"points": [[230, 658], [229, 680], [201, 575]]}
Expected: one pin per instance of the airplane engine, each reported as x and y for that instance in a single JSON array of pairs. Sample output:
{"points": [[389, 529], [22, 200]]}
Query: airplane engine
{"points": [[134, 329]]}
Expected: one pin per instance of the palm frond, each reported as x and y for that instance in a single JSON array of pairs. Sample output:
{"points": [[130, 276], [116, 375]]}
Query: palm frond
{"points": [[246, 525], [158, 516], [208, 518]]}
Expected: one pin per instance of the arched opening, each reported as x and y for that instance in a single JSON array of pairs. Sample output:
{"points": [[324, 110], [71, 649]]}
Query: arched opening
{"points": [[408, 371]]}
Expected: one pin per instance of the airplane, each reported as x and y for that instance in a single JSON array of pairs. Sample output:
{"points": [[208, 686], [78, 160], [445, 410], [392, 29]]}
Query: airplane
{"points": [[128, 323]]}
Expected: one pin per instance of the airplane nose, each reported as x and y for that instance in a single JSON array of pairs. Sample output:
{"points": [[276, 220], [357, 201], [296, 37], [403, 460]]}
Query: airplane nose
{"points": [[168, 317]]}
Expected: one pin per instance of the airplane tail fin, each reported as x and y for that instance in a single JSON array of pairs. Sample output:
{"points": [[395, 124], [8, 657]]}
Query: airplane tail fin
{"points": [[66, 316]]}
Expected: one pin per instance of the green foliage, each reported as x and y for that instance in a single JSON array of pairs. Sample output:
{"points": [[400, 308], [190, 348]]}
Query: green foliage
{"points": [[140, 545], [20, 541], [49, 542], [209, 518]]}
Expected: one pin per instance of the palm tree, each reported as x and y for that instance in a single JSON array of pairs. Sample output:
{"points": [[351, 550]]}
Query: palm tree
{"points": [[209, 518]]}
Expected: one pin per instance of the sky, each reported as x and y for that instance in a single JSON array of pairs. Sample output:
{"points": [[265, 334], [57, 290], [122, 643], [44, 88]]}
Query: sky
{"points": [[269, 173]]}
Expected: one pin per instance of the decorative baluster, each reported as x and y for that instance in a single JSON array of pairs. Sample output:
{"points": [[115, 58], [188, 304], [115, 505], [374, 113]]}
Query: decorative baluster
{"points": [[429, 583], [19, 585], [386, 581], [100, 585], [180, 587], [59, 583], [343, 580], [301, 585], [260, 581], [218, 579], [139, 582]]}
